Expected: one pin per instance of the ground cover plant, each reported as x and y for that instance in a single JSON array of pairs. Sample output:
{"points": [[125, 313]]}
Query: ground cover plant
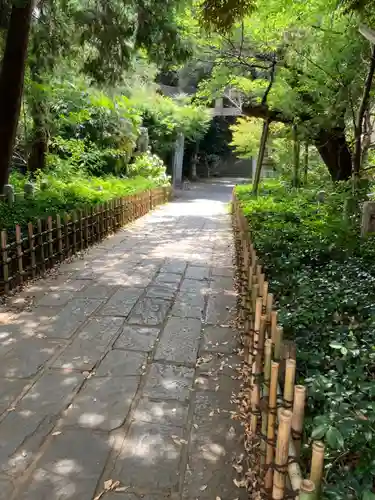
{"points": [[323, 276]]}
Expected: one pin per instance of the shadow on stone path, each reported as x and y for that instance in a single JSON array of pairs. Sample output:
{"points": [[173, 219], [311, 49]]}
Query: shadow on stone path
{"points": [[122, 368]]}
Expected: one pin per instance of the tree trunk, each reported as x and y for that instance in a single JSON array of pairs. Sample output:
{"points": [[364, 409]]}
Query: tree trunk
{"points": [[296, 153], [335, 153], [194, 162], [39, 145], [358, 126], [305, 163], [11, 82], [262, 150]]}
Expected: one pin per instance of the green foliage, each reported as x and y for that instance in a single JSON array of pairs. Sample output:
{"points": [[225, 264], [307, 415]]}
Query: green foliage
{"points": [[165, 118], [149, 166], [65, 193], [221, 16], [323, 277]]}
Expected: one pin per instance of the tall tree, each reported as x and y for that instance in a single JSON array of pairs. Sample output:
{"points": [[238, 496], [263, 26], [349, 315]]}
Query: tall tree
{"points": [[12, 80], [321, 65], [102, 36]]}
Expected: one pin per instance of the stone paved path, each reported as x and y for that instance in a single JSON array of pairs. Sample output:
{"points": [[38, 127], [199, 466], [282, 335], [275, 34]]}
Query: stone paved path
{"points": [[123, 367]]}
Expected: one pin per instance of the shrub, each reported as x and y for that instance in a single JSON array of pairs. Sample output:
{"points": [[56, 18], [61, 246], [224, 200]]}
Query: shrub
{"points": [[149, 166], [323, 277], [65, 194]]}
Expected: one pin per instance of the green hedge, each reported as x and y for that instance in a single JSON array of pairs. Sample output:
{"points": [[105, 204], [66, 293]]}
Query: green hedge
{"points": [[323, 276], [64, 195]]}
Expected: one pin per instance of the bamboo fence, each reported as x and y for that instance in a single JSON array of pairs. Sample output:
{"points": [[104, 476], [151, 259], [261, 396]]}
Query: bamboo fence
{"points": [[29, 251], [277, 404]]}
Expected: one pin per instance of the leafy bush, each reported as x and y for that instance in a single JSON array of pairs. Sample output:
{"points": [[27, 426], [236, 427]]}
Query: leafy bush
{"points": [[149, 166], [165, 118], [323, 277], [64, 195]]}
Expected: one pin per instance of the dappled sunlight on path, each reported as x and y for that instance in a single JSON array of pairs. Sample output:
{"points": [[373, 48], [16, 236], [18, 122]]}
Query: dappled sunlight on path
{"points": [[121, 366]]}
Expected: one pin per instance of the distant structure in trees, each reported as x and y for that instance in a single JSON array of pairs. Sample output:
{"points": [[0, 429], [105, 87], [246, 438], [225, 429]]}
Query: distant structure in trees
{"points": [[228, 105]]}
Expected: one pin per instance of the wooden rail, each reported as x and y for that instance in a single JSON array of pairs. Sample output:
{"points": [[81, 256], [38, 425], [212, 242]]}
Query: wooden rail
{"points": [[277, 405], [28, 251]]}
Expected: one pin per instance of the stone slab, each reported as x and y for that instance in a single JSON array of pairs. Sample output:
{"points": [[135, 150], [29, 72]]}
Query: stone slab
{"points": [[118, 363], [174, 266], [6, 488], [194, 287], [167, 278], [219, 339], [140, 279], [102, 403], [188, 306], [150, 311], [218, 372], [70, 468], [24, 429], [222, 271], [169, 382], [97, 291], [90, 344], [26, 357], [137, 496], [161, 412], [64, 323], [220, 283], [220, 308], [58, 298], [137, 338], [179, 341], [165, 291], [197, 273], [122, 302], [9, 390], [215, 444], [150, 457]]}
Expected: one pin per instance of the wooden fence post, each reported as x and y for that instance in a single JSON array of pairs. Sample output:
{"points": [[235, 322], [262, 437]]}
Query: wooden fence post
{"points": [[5, 262], [30, 232], [50, 240], [59, 237], [19, 253], [41, 246]]}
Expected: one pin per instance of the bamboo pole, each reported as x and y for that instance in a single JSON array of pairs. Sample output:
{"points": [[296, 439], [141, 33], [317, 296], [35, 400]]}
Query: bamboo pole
{"points": [[290, 374], [272, 409], [255, 326], [307, 490], [257, 367], [294, 470], [273, 326], [282, 454], [317, 462], [261, 283], [278, 341], [266, 390], [298, 416], [265, 294]]}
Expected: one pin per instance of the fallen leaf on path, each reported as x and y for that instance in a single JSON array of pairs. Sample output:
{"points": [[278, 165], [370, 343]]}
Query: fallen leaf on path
{"points": [[109, 485], [240, 484], [238, 468], [122, 489]]}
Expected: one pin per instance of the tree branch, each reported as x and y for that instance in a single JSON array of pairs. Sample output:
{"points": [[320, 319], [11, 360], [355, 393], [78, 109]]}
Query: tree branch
{"points": [[361, 113], [272, 79]]}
